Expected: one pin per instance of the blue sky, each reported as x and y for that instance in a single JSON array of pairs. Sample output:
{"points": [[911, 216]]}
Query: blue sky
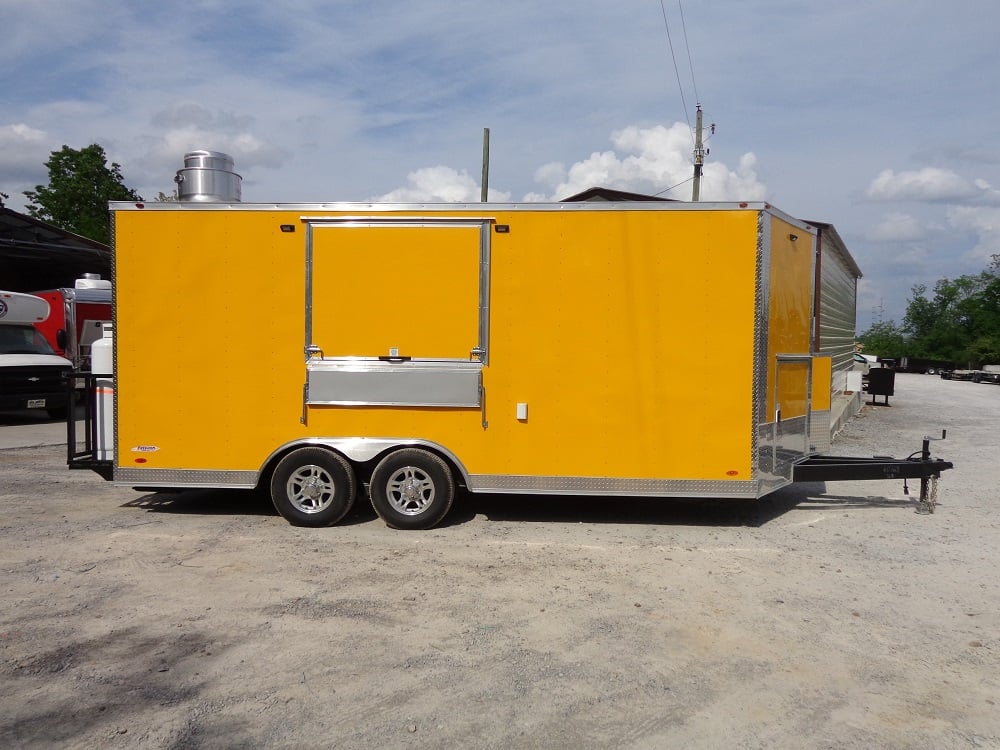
{"points": [[878, 116]]}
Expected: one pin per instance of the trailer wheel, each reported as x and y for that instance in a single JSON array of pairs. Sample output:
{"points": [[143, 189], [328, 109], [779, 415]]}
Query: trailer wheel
{"points": [[313, 487], [412, 489]]}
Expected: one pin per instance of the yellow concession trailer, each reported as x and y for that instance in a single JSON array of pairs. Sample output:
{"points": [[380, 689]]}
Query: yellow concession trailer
{"points": [[640, 349]]}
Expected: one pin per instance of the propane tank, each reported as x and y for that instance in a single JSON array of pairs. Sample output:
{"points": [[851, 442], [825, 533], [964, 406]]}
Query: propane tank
{"points": [[102, 364], [92, 281]]}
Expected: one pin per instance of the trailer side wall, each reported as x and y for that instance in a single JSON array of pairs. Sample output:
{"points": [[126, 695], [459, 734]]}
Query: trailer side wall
{"points": [[631, 339]]}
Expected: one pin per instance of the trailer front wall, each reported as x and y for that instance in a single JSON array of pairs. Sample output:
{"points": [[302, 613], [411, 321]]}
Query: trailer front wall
{"points": [[785, 413], [628, 334]]}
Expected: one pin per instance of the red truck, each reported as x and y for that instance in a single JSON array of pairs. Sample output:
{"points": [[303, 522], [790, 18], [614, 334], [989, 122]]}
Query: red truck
{"points": [[76, 318]]}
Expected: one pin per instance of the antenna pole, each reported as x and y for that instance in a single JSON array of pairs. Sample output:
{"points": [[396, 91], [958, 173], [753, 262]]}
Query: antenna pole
{"points": [[699, 157]]}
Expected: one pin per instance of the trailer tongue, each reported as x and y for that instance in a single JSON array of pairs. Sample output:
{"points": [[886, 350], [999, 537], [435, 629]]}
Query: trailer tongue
{"points": [[919, 465]]}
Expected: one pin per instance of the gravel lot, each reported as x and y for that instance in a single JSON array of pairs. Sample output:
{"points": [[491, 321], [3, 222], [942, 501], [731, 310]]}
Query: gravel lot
{"points": [[823, 616]]}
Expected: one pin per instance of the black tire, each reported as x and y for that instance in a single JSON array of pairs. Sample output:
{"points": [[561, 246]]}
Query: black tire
{"points": [[313, 487], [57, 412], [412, 489]]}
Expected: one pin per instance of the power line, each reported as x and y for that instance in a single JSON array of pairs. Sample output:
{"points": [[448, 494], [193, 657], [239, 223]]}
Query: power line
{"points": [[667, 190], [677, 71], [696, 133], [694, 84]]}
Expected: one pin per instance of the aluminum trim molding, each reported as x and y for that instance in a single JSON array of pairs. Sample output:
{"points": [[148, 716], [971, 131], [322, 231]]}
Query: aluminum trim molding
{"points": [[584, 206], [376, 383], [512, 484], [186, 478], [760, 364], [485, 229], [362, 449]]}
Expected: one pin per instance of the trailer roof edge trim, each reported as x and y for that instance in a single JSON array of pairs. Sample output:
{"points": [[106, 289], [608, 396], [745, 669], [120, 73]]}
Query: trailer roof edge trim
{"points": [[367, 207]]}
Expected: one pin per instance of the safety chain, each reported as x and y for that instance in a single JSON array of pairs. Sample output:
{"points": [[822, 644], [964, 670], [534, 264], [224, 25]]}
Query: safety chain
{"points": [[925, 506]]}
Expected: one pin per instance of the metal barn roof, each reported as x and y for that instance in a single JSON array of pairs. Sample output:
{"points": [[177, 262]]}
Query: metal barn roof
{"points": [[35, 255]]}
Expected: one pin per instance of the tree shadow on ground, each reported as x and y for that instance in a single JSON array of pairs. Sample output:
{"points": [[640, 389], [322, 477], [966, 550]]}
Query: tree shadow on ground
{"points": [[108, 681]]}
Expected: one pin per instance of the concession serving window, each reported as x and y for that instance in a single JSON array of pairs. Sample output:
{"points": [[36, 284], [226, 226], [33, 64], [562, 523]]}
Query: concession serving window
{"points": [[397, 310]]}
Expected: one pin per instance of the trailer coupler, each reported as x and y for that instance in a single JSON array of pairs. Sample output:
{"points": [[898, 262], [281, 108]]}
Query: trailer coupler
{"points": [[918, 465]]}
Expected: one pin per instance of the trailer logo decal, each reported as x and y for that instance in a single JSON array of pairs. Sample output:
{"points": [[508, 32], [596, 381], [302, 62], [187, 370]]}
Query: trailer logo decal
{"points": [[145, 449], [3, 308]]}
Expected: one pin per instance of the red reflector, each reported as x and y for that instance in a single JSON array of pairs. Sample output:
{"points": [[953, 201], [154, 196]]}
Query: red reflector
{"points": [[732, 473], [140, 460]]}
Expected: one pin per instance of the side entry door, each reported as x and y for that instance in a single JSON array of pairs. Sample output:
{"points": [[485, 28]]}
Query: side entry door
{"points": [[791, 410]]}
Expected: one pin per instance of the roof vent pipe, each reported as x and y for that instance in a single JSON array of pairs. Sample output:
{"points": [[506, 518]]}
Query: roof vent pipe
{"points": [[208, 177]]}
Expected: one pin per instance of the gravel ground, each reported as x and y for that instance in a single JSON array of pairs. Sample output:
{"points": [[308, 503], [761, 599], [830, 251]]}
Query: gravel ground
{"points": [[822, 616]]}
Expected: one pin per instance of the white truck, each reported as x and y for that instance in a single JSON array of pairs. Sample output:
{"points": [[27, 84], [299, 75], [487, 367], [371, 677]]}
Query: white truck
{"points": [[32, 375]]}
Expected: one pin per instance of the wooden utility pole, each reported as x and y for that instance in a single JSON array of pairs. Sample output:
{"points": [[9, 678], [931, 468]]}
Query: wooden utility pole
{"points": [[486, 163], [699, 157]]}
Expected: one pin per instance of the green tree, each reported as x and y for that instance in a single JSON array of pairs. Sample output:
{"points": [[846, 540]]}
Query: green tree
{"points": [[80, 185], [959, 321], [884, 339]]}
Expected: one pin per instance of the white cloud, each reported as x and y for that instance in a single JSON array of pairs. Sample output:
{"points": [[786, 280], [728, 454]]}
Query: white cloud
{"points": [[23, 149], [928, 184], [651, 160], [898, 227], [551, 174], [188, 126], [22, 132], [719, 183], [984, 223], [644, 160], [23, 153], [439, 185]]}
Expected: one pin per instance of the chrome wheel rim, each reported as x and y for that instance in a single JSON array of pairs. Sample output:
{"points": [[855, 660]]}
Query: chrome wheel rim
{"points": [[410, 490], [311, 489]]}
